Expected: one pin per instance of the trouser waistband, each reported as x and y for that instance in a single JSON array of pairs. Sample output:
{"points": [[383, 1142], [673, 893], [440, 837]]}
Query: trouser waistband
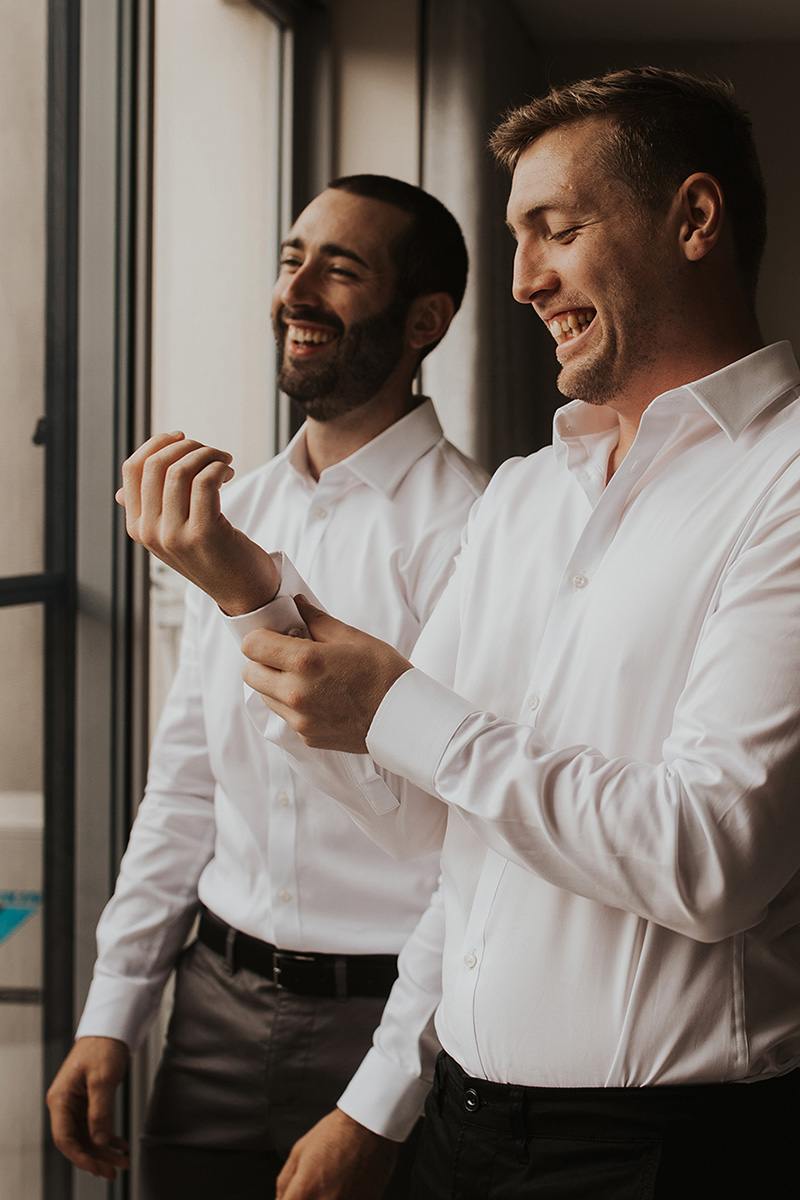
{"points": [[302, 972], [576, 1112]]}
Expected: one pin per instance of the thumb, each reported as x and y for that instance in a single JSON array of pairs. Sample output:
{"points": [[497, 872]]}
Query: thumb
{"points": [[320, 624]]}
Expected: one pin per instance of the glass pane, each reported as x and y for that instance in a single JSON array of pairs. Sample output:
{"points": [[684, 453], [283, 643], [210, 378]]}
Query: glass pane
{"points": [[21, 831], [23, 49], [217, 203]]}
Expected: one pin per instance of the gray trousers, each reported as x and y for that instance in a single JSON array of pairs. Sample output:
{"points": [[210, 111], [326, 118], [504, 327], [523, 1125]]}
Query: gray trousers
{"points": [[247, 1069]]}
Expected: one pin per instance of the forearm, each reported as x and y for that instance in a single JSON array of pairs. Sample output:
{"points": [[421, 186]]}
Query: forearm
{"points": [[695, 844]]}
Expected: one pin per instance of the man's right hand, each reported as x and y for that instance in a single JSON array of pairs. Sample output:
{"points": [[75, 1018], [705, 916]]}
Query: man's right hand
{"points": [[170, 493], [81, 1103]]}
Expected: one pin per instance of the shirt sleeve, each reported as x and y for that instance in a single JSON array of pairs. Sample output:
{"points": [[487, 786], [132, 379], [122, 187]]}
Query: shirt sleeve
{"points": [[148, 919], [281, 613], [700, 842], [411, 830], [388, 1091]]}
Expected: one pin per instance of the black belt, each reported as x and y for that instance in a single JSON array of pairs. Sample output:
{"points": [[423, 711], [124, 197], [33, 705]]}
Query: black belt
{"points": [[307, 974]]}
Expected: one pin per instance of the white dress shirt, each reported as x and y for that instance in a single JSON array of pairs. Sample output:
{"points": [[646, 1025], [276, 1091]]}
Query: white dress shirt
{"points": [[607, 701], [223, 818]]}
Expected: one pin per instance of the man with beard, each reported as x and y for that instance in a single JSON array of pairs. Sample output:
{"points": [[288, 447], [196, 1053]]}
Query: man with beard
{"points": [[602, 718], [370, 499]]}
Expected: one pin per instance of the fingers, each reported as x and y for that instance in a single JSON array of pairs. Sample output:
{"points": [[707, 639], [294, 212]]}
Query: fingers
{"points": [[278, 652], [163, 478], [71, 1135], [81, 1100], [132, 471], [175, 477], [283, 1182]]}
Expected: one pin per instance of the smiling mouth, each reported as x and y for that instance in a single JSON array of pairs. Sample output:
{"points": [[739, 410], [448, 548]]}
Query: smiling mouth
{"points": [[302, 337], [567, 326]]}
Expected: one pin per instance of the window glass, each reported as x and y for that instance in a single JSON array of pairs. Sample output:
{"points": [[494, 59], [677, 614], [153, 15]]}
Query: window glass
{"points": [[23, 96], [219, 90]]}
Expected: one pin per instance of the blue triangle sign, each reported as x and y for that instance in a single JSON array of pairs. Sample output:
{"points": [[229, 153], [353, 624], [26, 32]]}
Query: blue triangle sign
{"points": [[12, 916]]}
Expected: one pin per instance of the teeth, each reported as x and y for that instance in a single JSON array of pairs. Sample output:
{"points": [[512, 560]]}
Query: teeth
{"points": [[569, 325], [316, 337]]}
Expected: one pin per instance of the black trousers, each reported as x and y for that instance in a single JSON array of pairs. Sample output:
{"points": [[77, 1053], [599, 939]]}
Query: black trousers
{"points": [[247, 1069], [488, 1141]]}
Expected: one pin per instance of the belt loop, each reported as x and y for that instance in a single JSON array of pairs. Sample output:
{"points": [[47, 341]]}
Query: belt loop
{"points": [[519, 1122], [230, 946], [340, 976]]}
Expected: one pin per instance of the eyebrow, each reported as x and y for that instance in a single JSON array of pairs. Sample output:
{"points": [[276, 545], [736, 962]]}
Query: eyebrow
{"points": [[329, 249]]}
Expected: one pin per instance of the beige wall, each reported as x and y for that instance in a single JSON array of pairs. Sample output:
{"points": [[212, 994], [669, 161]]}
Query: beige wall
{"points": [[215, 224], [376, 79]]}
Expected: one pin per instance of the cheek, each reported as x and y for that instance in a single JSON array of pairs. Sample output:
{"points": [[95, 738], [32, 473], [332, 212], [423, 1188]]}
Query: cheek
{"points": [[276, 301]]}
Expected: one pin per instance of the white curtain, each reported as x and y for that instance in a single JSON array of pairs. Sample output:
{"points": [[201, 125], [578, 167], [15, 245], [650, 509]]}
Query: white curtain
{"points": [[492, 376]]}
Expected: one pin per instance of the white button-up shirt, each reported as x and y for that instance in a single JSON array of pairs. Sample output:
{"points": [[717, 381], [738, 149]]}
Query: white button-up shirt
{"points": [[224, 819], [607, 701]]}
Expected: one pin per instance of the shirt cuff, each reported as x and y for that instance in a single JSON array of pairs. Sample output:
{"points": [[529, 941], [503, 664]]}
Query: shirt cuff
{"points": [[118, 1008], [414, 725], [383, 1098], [281, 614]]}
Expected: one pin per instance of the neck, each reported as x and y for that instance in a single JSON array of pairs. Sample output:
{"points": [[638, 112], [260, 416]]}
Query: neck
{"points": [[328, 442]]}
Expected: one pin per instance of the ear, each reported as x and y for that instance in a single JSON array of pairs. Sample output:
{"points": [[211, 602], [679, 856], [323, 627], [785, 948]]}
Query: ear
{"points": [[428, 319], [702, 211]]}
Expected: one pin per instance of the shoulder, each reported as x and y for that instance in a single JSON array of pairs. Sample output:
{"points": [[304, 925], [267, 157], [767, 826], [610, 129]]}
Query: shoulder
{"points": [[465, 469], [520, 475]]}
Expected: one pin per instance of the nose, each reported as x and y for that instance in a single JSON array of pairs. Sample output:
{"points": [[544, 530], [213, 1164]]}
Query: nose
{"points": [[300, 286], [534, 275]]}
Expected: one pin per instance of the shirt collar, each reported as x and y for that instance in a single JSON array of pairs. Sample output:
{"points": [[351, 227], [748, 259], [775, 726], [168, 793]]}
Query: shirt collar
{"points": [[738, 393], [385, 460], [732, 397]]}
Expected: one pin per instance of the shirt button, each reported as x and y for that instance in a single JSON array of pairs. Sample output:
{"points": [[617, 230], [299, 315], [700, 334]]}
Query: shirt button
{"points": [[284, 897], [579, 581], [472, 1100], [283, 800], [470, 959], [534, 703], [321, 513]]}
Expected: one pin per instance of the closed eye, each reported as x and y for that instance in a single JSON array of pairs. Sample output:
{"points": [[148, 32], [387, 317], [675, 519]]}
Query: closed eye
{"points": [[565, 235]]}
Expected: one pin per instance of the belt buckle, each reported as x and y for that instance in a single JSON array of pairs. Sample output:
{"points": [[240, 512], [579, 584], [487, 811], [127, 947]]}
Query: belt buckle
{"points": [[280, 957]]}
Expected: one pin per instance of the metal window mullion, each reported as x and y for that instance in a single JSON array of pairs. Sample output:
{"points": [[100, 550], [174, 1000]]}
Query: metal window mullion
{"points": [[59, 604]]}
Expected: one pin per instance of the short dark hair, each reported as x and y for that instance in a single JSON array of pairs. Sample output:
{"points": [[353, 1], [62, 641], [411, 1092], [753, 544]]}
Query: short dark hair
{"points": [[663, 126], [430, 254]]}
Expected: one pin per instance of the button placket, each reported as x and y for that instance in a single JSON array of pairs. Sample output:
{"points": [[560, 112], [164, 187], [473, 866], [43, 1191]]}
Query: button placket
{"points": [[282, 855]]}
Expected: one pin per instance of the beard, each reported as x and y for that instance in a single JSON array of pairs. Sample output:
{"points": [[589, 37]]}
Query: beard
{"points": [[359, 364]]}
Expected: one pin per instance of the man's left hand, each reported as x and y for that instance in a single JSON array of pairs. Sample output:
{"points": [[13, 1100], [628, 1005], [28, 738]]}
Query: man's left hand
{"points": [[337, 1160], [327, 689]]}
